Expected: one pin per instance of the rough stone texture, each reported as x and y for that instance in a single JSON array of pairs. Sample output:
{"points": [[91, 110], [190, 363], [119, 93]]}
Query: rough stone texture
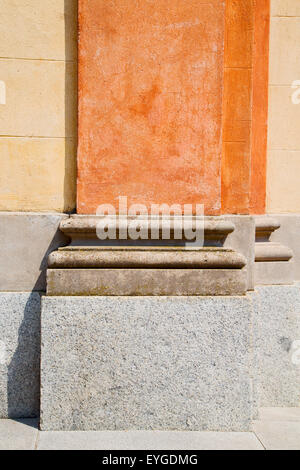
{"points": [[19, 355], [276, 326], [144, 282], [26, 239], [242, 240], [288, 234], [146, 363]]}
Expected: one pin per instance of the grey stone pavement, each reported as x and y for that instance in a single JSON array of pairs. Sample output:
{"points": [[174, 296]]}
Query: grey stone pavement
{"points": [[276, 429]]}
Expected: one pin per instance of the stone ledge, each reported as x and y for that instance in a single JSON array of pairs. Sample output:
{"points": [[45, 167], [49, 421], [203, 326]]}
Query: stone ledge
{"points": [[271, 251], [146, 282], [84, 227], [265, 226], [150, 257]]}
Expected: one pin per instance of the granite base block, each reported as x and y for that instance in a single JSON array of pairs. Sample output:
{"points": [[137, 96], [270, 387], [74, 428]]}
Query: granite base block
{"points": [[19, 355], [164, 363], [276, 336]]}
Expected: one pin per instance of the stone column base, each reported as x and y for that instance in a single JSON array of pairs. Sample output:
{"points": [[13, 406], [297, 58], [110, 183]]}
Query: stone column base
{"points": [[89, 267], [273, 261]]}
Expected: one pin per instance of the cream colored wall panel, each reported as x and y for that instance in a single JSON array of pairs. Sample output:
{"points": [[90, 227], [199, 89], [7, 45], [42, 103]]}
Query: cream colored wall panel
{"points": [[283, 170], [283, 193], [285, 50], [38, 29], [284, 119], [40, 98], [37, 174], [285, 7]]}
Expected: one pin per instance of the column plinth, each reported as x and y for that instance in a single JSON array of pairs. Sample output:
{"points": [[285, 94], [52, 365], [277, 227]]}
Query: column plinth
{"points": [[273, 263], [89, 266]]}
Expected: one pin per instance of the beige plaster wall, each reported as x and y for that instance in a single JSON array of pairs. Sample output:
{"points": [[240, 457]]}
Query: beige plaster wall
{"points": [[283, 175], [38, 105]]}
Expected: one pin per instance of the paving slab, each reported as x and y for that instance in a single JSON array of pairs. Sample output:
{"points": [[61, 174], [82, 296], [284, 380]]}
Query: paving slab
{"points": [[279, 414], [147, 440], [278, 435], [18, 435], [278, 429]]}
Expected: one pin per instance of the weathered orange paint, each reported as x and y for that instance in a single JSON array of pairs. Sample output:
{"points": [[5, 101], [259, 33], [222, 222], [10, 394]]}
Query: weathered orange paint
{"points": [[150, 102], [237, 107], [260, 107], [245, 106], [151, 98]]}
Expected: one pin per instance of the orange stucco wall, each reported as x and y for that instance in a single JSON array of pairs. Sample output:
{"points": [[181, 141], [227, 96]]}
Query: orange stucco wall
{"points": [[237, 106], [245, 106], [173, 103], [260, 107], [150, 102]]}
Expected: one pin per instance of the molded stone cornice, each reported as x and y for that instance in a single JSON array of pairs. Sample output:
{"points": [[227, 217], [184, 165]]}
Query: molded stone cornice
{"points": [[146, 257], [80, 228], [89, 266], [273, 263], [265, 250]]}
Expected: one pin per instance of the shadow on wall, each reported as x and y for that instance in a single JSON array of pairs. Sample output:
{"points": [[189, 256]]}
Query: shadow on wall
{"points": [[23, 372], [59, 240], [71, 104]]}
